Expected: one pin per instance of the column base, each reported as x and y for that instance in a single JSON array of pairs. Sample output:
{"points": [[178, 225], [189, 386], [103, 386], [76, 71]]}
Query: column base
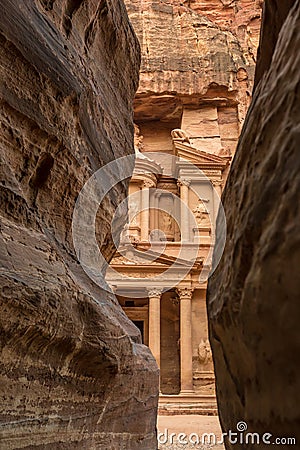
{"points": [[187, 392]]}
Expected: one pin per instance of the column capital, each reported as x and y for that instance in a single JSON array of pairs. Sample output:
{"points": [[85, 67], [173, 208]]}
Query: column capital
{"points": [[217, 183], [154, 292], [148, 184], [185, 293]]}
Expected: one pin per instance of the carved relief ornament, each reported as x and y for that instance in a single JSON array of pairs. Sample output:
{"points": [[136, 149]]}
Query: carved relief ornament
{"points": [[184, 182], [217, 183], [180, 135], [148, 184], [204, 352], [154, 292], [201, 214], [185, 293]]}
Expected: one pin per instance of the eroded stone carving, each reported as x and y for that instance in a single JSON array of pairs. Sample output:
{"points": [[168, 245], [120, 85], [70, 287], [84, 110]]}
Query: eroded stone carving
{"points": [[204, 352], [148, 184], [180, 135], [201, 214], [154, 292], [185, 293], [133, 213]]}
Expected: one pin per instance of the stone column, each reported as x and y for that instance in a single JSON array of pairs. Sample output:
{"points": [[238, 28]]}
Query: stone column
{"points": [[145, 203], [156, 213], [177, 235], [154, 322], [184, 216], [186, 349]]}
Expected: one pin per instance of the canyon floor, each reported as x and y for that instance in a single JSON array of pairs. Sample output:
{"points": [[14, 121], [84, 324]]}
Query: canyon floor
{"points": [[191, 425]]}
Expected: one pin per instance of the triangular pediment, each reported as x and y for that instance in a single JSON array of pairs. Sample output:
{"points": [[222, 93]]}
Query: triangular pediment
{"points": [[199, 157], [140, 257]]}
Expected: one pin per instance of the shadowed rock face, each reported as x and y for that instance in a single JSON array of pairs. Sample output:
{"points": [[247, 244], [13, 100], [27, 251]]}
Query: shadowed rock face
{"points": [[73, 372], [253, 299]]}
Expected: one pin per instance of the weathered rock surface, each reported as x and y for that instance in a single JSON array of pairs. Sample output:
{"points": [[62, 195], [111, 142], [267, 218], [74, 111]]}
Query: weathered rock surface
{"points": [[199, 56], [241, 17], [253, 299], [73, 372]]}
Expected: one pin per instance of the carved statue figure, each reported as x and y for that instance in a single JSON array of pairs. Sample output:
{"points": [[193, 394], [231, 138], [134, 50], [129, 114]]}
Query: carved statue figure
{"points": [[201, 214], [124, 238], [167, 222], [204, 352], [138, 138], [180, 135], [133, 210]]}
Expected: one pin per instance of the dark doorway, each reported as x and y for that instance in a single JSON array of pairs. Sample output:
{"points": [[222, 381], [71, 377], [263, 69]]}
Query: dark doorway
{"points": [[129, 303], [140, 325]]}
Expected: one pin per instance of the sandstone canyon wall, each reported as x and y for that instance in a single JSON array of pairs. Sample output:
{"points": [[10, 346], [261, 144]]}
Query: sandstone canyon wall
{"points": [[73, 373], [198, 63], [253, 298]]}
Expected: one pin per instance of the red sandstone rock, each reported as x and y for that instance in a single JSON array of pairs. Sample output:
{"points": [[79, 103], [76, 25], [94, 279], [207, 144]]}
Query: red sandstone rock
{"points": [[253, 300], [195, 54], [73, 373], [241, 17]]}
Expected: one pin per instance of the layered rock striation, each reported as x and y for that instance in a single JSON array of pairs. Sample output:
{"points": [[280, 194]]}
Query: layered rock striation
{"points": [[253, 297], [195, 54], [73, 373]]}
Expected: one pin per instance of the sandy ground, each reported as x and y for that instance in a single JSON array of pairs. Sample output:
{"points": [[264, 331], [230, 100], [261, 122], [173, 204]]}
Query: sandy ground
{"points": [[193, 427]]}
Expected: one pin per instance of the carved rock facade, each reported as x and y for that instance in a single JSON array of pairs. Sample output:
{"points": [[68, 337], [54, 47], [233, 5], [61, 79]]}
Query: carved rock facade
{"points": [[253, 300], [198, 63], [69, 355]]}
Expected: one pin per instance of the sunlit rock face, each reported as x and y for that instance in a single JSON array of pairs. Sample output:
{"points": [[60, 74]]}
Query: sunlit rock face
{"points": [[241, 17], [253, 297], [73, 372], [195, 54]]}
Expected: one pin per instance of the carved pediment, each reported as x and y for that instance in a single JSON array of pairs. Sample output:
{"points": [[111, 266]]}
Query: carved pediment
{"points": [[198, 157], [134, 257]]}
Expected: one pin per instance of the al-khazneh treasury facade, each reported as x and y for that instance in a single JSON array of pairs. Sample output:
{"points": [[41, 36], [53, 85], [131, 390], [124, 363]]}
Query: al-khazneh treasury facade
{"points": [[198, 62]]}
